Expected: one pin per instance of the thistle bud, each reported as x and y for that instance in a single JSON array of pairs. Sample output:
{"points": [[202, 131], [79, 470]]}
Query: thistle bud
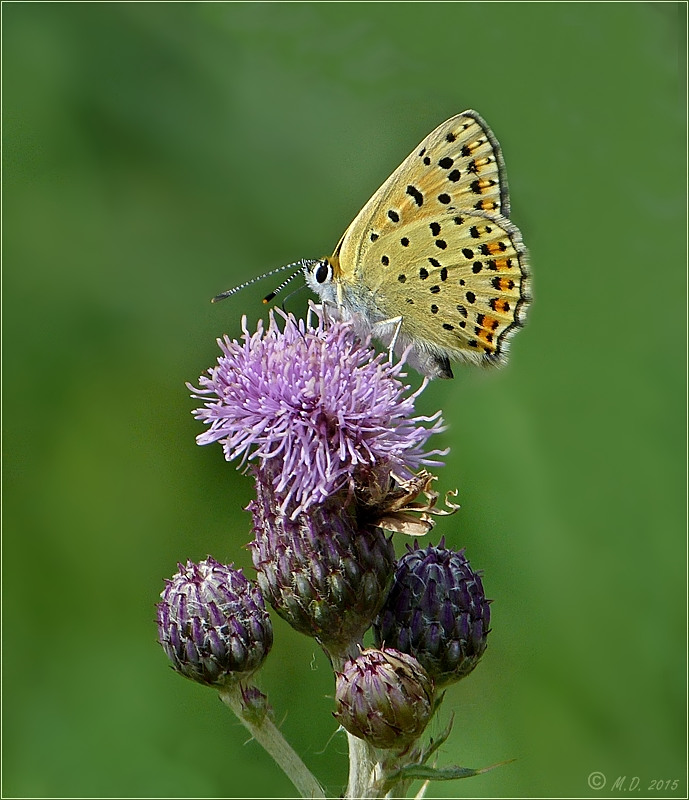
{"points": [[212, 623], [322, 572], [437, 611], [384, 697]]}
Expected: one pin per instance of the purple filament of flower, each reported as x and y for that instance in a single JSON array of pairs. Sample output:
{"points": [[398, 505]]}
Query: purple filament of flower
{"points": [[316, 405]]}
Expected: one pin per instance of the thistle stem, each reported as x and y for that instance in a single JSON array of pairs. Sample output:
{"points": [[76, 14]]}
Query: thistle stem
{"points": [[364, 769], [363, 772], [270, 738]]}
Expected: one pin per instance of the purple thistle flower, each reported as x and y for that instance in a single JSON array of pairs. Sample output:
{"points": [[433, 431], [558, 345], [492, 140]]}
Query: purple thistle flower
{"points": [[316, 406]]}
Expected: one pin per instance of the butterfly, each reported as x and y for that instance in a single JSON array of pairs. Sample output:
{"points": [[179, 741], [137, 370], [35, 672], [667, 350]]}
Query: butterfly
{"points": [[432, 265]]}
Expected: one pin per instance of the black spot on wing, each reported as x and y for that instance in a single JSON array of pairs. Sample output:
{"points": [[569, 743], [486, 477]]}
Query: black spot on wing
{"points": [[415, 194]]}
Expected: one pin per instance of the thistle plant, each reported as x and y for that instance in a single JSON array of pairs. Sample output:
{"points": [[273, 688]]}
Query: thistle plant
{"points": [[328, 431]]}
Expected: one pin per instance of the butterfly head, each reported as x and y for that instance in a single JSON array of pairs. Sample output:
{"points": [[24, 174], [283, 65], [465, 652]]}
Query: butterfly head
{"points": [[320, 278]]}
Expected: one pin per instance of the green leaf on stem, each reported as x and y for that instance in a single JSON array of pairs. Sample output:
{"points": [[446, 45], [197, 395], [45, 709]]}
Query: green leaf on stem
{"points": [[425, 773]]}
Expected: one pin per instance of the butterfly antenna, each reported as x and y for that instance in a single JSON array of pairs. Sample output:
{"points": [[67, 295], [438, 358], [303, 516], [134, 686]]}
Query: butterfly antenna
{"points": [[271, 295], [291, 294], [302, 264]]}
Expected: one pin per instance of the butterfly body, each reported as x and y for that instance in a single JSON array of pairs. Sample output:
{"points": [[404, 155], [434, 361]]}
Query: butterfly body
{"points": [[432, 260]]}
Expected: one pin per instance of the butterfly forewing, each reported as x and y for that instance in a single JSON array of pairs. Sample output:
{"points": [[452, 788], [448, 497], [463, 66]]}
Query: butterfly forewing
{"points": [[458, 165]]}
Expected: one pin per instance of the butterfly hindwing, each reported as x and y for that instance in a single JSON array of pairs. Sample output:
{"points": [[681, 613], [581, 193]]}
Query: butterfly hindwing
{"points": [[460, 282]]}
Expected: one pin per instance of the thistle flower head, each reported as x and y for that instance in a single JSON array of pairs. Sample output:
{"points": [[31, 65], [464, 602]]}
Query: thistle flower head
{"points": [[212, 623], [315, 405], [437, 611]]}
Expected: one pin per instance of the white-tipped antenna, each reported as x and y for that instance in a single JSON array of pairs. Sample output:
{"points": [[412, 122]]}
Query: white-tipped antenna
{"points": [[301, 265]]}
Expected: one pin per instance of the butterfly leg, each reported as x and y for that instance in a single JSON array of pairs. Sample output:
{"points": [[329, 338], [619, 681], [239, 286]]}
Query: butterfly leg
{"points": [[332, 312], [395, 337], [381, 330], [310, 314], [427, 362]]}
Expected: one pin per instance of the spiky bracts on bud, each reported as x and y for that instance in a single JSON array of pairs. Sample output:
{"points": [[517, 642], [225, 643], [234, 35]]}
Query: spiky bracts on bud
{"points": [[212, 623], [437, 611], [384, 697], [322, 572]]}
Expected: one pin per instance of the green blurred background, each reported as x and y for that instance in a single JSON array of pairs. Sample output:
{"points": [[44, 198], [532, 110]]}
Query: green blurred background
{"points": [[155, 154]]}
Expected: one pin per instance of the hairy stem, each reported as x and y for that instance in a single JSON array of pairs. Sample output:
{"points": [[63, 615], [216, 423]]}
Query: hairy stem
{"points": [[270, 738], [363, 772]]}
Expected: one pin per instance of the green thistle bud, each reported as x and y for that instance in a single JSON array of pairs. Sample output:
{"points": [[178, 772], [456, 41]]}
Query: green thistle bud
{"points": [[384, 697], [212, 623], [322, 572], [437, 611]]}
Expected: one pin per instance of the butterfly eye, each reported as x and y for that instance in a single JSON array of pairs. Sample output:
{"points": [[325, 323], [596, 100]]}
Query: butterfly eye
{"points": [[323, 272]]}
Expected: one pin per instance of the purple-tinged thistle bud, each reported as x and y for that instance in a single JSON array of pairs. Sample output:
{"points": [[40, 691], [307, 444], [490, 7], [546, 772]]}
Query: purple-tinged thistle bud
{"points": [[212, 623], [384, 697], [322, 572], [437, 611]]}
